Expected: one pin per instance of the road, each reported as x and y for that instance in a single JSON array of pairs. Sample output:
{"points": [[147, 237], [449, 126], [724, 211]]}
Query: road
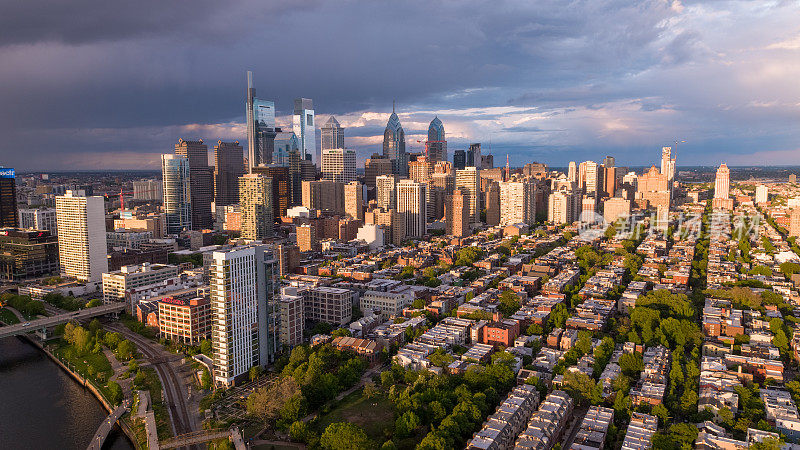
{"points": [[175, 390], [102, 432], [47, 322]]}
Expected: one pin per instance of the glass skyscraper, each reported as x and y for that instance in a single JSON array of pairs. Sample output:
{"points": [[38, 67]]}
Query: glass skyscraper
{"points": [[394, 145], [304, 128], [260, 116], [436, 145], [177, 197]]}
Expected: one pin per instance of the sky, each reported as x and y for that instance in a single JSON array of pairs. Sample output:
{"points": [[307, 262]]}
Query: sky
{"points": [[93, 84]]}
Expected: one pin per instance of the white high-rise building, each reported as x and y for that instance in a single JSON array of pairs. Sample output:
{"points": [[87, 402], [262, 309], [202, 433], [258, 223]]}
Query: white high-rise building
{"points": [[762, 194], [722, 182], [469, 181], [517, 202], [339, 164], [385, 193], [304, 127], [39, 219], [244, 311], [82, 236], [572, 172], [594, 177], [668, 164], [563, 207], [411, 202]]}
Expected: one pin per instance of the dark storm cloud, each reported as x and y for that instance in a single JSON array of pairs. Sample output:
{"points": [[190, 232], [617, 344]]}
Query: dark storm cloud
{"points": [[93, 77]]}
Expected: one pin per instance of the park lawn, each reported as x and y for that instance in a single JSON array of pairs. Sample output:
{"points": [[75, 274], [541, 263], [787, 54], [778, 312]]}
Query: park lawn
{"points": [[8, 317], [375, 415], [101, 370]]}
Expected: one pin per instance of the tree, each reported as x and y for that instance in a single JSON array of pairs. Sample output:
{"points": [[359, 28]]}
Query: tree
{"points": [[406, 424], [264, 403], [631, 364], [205, 347], [299, 431], [80, 339], [115, 393], [509, 302], [344, 436], [205, 379], [582, 388], [788, 269], [341, 332], [125, 350], [661, 412], [370, 390]]}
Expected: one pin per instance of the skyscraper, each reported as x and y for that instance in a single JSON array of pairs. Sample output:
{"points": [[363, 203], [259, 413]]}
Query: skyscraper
{"points": [[354, 200], [594, 178], [722, 182], [517, 202], [469, 181], [572, 172], [281, 187], [459, 159], [228, 167], [474, 155], [255, 200], [201, 182], [244, 311], [260, 115], [177, 195], [436, 144], [339, 164], [332, 135], [668, 165], [563, 207], [493, 204], [411, 202], [324, 195], [82, 236], [456, 214], [421, 171], [394, 145], [385, 194], [303, 125], [8, 198], [374, 166]]}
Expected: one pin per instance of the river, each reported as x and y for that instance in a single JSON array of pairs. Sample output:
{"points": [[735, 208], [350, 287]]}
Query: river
{"points": [[42, 407]]}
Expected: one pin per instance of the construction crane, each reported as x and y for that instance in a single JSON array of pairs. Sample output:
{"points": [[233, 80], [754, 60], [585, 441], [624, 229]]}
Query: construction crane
{"points": [[123, 194]]}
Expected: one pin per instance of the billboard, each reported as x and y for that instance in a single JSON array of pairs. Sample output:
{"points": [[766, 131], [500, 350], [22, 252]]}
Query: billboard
{"points": [[6, 172]]}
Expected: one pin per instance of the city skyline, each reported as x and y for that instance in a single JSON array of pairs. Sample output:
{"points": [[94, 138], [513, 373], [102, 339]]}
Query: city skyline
{"points": [[664, 71]]}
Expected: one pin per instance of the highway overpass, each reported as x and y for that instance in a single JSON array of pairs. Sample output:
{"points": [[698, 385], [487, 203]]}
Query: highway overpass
{"points": [[49, 322]]}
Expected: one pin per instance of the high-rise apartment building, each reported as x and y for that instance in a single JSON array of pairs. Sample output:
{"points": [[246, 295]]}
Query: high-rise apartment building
{"points": [[228, 167], [82, 236], [493, 204], [615, 208], [609, 180], [487, 162], [563, 207], [572, 172], [39, 219], [594, 178], [517, 202], [385, 192], [201, 183], [411, 203], [456, 213], [469, 181], [354, 200], [421, 170], [281, 177], [375, 166], [292, 317], [244, 311], [762, 194], [324, 195], [474, 155], [331, 135], [307, 239], [459, 159], [255, 200], [177, 194], [304, 128], [436, 144], [339, 165], [394, 145], [260, 115], [668, 164], [653, 187], [722, 182], [8, 198]]}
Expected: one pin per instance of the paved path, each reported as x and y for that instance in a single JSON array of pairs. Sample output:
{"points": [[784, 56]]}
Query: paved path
{"points": [[102, 432]]}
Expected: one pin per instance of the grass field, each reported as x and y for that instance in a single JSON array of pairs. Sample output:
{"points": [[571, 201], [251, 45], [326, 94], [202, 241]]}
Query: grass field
{"points": [[374, 415], [8, 317]]}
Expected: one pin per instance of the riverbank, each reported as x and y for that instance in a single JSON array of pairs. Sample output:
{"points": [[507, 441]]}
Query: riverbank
{"points": [[86, 384]]}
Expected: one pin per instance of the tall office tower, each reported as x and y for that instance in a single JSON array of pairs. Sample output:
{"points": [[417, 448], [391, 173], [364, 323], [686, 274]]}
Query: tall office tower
{"points": [[436, 144], [201, 182], [411, 202], [354, 200], [594, 178], [148, 190], [487, 162], [375, 166], [459, 159], [177, 194], [445, 181], [281, 187], [469, 180], [535, 170], [385, 193], [474, 155], [394, 145], [572, 172], [421, 171], [493, 204], [244, 311], [609, 161], [582, 175], [456, 214], [228, 167], [339, 164], [39, 219], [261, 130], [331, 135], [255, 200], [722, 182], [668, 164], [8, 198], [517, 203], [762, 194], [654, 188], [303, 125], [324, 195], [563, 207], [284, 145], [609, 181], [81, 236]]}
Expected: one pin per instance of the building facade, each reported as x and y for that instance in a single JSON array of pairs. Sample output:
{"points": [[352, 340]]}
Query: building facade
{"points": [[201, 182], [255, 201], [8, 198], [331, 135], [177, 195], [82, 236], [339, 165], [228, 167]]}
